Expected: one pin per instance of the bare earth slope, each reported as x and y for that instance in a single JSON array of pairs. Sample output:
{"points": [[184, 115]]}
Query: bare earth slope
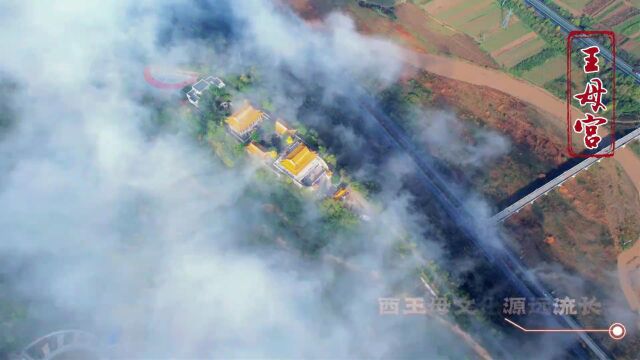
{"points": [[579, 228]]}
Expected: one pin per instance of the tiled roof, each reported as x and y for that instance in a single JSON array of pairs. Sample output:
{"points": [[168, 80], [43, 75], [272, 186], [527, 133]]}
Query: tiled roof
{"points": [[298, 159]]}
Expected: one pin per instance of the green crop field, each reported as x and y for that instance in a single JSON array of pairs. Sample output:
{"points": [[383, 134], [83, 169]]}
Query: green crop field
{"points": [[463, 11], [481, 24], [502, 37], [576, 5], [611, 8], [553, 69], [517, 54], [549, 70], [634, 49], [628, 27], [482, 20], [473, 18]]}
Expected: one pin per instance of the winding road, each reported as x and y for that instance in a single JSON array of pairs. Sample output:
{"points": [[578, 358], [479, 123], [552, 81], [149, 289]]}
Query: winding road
{"points": [[468, 72]]}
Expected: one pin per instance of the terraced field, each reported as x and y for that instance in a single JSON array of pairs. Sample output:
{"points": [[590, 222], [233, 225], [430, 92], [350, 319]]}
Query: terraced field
{"points": [[607, 10], [501, 39], [628, 27], [553, 69], [549, 70], [621, 16], [517, 54], [633, 47], [482, 20], [574, 6]]}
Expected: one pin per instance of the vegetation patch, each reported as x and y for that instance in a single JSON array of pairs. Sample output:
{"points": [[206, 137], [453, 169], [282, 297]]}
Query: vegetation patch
{"points": [[628, 27], [550, 33], [628, 97], [534, 60], [524, 51], [547, 71], [384, 7], [609, 10], [557, 86]]}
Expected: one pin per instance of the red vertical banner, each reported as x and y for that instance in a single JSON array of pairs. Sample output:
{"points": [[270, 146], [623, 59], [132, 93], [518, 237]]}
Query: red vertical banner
{"points": [[591, 101]]}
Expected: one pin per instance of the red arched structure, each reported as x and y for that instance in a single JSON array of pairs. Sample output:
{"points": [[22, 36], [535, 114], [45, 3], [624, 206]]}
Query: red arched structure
{"points": [[148, 77]]}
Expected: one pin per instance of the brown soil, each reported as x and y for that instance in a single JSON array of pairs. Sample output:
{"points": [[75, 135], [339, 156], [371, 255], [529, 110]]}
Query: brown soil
{"points": [[413, 18], [304, 9], [579, 227], [522, 123], [507, 110], [474, 8], [515, 43], [629, 45], [629, 273], [631, 164], [573, 11], [620, 16], [473, 71], [414, 29], [476, 75], [424, 29], [499, 111], [588, 217], [309, 10], [596, 6], [436, 6]]}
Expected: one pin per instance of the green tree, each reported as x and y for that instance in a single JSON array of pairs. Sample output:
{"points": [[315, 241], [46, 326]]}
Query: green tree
{"points": [[336, 216]]}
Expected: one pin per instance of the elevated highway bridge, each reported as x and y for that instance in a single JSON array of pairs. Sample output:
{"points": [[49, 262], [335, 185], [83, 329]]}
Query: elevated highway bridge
{"points": [[558, 180]]}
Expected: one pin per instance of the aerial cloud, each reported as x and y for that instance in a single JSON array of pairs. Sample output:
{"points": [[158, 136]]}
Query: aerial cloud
{"points": [[142, 237], [116, 231]]}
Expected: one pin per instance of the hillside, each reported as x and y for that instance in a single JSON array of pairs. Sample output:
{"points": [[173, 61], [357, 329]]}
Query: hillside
{"points": [[577, 231]]}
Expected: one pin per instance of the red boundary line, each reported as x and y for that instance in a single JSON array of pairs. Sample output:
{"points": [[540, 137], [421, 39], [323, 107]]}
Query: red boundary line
{"points": [[148, 77], [612, 133]]}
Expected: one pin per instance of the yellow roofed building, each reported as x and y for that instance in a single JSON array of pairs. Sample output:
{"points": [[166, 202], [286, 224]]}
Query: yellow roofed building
{"points": [[257, 151], [282, 129], [304, 166], [243, 121]]}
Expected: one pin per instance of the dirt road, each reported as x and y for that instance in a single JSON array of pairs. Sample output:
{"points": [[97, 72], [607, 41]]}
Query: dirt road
{"points": [[454, 68], [477, 75], [629, 260], [631, 164]]}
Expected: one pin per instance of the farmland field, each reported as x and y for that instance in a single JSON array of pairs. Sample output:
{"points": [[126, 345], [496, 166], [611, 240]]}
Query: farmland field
{"points": [[482, 20], [633, 47], [549, 70], [503, 37], [487, 20], [628, 27], [554, 69], [608, 10], [574, 6], [517, 54], [464, 11]]}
